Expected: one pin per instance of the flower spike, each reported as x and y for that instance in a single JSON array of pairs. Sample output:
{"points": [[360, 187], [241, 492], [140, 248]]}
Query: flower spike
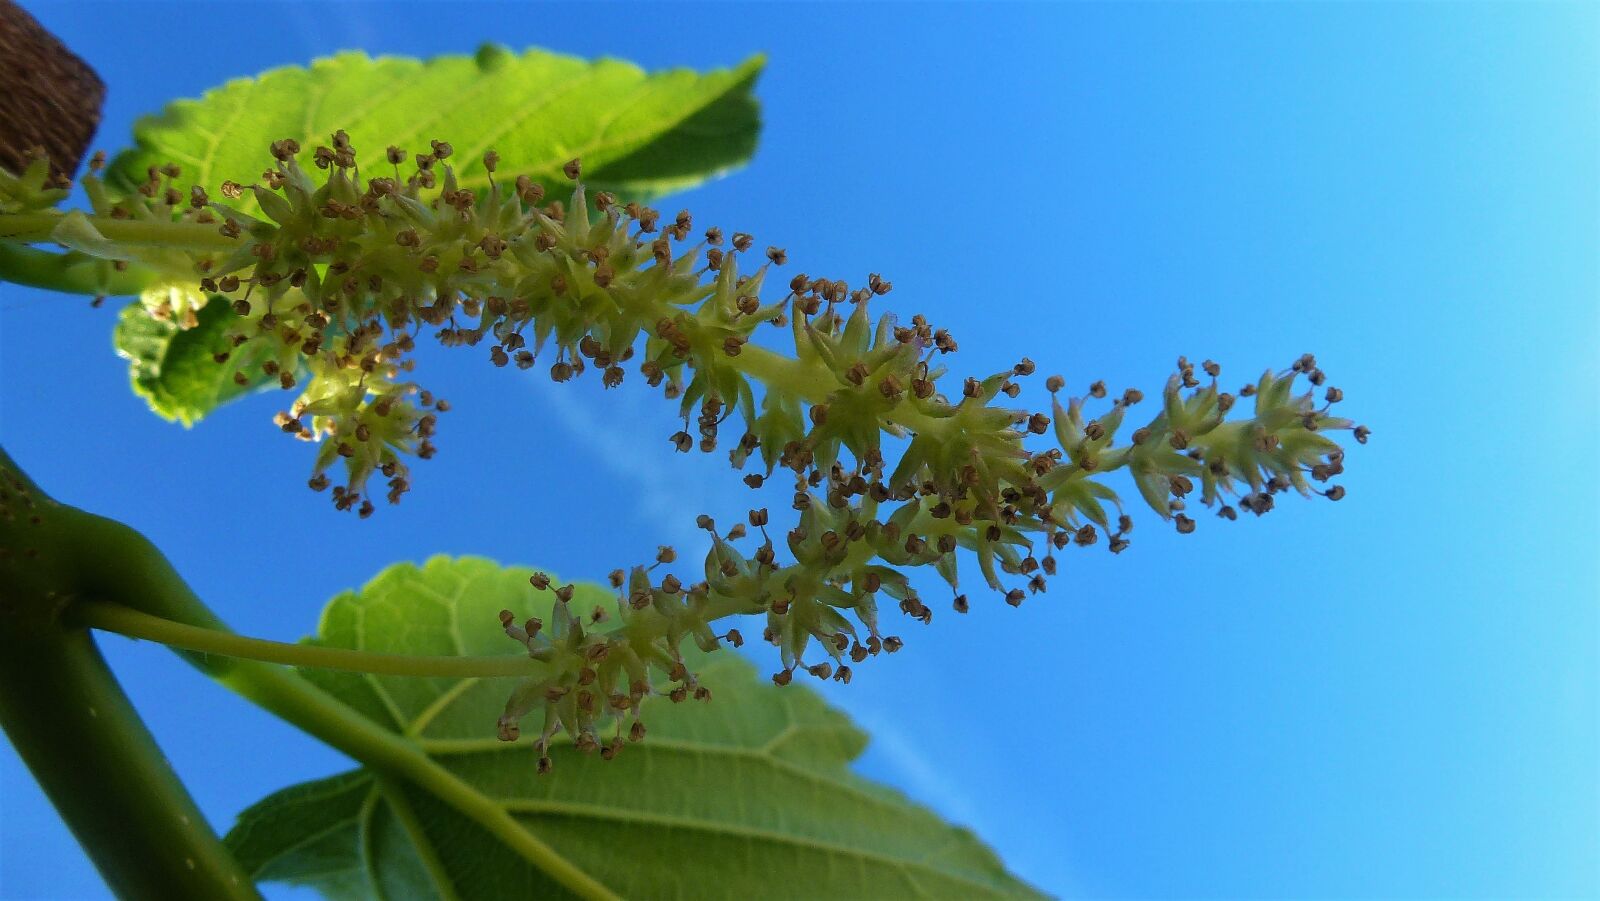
{"points": [[333, 285]]}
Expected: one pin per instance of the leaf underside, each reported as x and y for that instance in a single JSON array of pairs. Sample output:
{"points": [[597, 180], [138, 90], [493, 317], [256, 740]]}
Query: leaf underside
{"points": [[173, 368], [640, 135], [749, 795]]}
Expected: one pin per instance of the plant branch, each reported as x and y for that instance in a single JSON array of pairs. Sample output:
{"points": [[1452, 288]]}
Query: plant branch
{"points": [[83, 741], [79, 555], [70, 722], [212, 642]]}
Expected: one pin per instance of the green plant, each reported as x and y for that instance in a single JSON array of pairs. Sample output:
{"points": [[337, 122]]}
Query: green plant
{"points": [[317, 278]]}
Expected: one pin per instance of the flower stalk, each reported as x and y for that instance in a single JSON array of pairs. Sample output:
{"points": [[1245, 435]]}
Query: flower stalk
{"points": [[341, 274], [35, 228], [132, 623]]}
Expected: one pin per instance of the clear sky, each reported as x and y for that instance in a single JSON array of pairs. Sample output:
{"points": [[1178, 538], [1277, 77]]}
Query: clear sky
{"points": [[1395, 695]]}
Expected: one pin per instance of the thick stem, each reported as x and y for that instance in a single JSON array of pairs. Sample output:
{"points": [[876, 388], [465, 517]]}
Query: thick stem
{"points": [[85, 744], [84, 557], [75, 729]]}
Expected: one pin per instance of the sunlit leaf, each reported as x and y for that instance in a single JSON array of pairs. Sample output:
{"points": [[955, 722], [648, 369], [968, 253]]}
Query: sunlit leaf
{"points": [[640, 134]]}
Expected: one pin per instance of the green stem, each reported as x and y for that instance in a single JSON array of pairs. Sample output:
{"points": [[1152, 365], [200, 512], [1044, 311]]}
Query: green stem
{"points": [[71, 272], [94, 758], [134, 624], [82, 556], [36, 228], [80, 736]]}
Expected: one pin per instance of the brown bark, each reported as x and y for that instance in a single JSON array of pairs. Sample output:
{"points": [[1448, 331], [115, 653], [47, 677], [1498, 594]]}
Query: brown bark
{"points": [[49, 98]]}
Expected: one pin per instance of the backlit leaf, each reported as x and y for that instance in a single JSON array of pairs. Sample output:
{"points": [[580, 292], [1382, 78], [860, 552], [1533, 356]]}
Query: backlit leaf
{"points": [[747, 796]]}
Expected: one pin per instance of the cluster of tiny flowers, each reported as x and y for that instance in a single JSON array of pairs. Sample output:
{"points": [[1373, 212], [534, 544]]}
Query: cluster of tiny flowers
{"points": [[595, 676], [36, 189], [342, 277]]}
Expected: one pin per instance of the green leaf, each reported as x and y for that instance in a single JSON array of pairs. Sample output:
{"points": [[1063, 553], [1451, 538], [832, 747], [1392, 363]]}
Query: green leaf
{"points": [[639, 134], [172, 368], [749, 795]]}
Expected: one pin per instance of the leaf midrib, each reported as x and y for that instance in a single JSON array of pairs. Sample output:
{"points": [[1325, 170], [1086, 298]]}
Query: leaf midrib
{"points": [[444, 747], [432, 748]]}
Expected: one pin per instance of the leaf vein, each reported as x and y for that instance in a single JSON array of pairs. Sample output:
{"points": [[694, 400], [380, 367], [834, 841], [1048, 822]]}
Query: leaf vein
{"points": [[747, 833], [369, 861], [437, 747], [440, 704], [395, 797]]}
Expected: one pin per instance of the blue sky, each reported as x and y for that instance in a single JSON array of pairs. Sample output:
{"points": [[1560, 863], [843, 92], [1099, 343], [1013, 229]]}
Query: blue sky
{"points": [[1393, 696]]}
